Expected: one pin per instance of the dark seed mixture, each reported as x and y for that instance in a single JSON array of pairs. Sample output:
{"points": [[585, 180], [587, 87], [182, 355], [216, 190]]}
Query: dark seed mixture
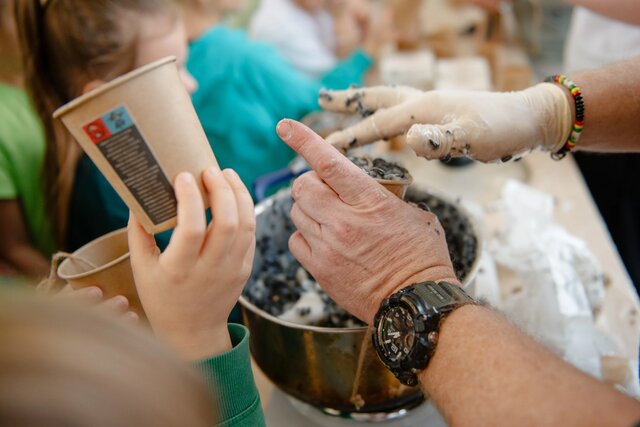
{"points": [[278, 281], [380, 168], [461, 238]]}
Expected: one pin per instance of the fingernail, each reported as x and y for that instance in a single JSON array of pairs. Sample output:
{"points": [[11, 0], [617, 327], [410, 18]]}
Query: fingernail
{"points": [[213, 171], [285, 130], [184, 178], [94, 293], [231, 173], [119, 301], [131, 316], [296, 188]]}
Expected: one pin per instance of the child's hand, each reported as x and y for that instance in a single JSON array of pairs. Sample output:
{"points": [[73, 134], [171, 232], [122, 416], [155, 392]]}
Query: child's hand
{"points": [[188, 291], [93, 295]]}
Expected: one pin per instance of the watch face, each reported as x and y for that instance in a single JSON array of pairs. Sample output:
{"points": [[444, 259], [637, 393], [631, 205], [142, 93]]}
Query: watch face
{"points": [[396, 333]]}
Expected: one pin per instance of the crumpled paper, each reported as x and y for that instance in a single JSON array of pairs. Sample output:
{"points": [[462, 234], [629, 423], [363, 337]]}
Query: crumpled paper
{"points": [[560, 284]]}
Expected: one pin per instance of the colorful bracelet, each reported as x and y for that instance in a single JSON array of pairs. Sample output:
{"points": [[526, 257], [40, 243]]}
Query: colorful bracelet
{"points": [[576, 93]]}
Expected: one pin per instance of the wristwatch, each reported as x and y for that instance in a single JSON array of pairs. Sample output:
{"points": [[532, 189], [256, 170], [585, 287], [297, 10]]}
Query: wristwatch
{"points": [[407, 324]]}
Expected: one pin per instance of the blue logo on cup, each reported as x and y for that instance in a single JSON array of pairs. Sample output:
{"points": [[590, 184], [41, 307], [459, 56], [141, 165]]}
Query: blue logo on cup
{"points": [[118, 120]]}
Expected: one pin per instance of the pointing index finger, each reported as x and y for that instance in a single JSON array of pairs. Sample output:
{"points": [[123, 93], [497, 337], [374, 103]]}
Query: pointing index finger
{"points": [[345, 178]]}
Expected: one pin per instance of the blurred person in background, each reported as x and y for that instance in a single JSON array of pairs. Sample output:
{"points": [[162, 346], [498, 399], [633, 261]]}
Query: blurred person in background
{"points": [[64, 365], [245, 87], [316, 35], [26, 240]]}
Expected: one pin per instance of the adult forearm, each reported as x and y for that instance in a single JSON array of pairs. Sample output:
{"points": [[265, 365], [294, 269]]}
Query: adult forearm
{"points": [[623, 10], [612, 107], [486, 372]]}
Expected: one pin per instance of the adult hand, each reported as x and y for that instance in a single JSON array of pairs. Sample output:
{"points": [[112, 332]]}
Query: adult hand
{"points": [[485, 126], [188, 291], [356, 238]]}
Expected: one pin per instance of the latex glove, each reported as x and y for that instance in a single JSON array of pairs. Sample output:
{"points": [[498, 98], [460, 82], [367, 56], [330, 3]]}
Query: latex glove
{"points": [[485, 126], [188, 291], [359, 241]]}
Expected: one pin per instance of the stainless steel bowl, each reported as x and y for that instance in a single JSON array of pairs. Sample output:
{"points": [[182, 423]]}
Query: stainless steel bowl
{"points": [[317, 365]]}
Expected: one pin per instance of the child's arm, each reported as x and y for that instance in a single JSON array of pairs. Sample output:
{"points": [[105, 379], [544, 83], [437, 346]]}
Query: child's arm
{"points": [[16, 249], [188, 290]]}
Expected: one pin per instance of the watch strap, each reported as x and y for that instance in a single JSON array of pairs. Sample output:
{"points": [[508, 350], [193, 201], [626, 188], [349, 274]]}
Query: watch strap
{"points": [[435, 301], [441, 295]]}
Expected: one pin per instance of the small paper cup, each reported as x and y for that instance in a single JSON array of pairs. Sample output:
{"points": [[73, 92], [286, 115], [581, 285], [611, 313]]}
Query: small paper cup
{"points": [[399, 188], [104, 262], [141, 131]]}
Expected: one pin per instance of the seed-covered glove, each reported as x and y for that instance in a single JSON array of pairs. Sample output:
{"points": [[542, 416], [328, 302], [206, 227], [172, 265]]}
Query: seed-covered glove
{"points": [[485, 126]]}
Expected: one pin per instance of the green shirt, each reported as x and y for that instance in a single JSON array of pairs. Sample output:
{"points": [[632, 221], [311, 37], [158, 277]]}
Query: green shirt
{"points": [[229, 379], [22, 148]]}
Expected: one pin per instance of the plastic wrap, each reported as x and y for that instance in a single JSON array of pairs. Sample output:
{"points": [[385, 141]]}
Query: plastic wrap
{"points": [[558, 285]]}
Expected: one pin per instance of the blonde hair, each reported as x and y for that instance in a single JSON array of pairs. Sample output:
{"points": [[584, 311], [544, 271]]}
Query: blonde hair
{"points": [[66, 365], [65, 45]]}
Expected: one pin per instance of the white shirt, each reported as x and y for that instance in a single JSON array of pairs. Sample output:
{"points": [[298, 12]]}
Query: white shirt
{"points": [[306, 40], [595, 40]]}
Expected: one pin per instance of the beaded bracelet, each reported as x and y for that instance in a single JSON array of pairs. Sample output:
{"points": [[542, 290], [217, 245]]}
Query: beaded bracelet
{"points": [[576, 93]]}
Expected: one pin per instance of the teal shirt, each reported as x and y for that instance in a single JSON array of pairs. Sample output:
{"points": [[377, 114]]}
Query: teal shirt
{"points": [[96, 209], [245, 88], [229, 378]]}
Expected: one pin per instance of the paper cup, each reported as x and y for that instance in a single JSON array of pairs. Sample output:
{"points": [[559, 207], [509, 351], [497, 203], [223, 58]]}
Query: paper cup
{"points": [[141, 131], [399, 188], [103, 262]]}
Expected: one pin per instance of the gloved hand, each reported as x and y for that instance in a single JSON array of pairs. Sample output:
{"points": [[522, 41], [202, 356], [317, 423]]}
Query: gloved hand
{"points": [[485, 126]]}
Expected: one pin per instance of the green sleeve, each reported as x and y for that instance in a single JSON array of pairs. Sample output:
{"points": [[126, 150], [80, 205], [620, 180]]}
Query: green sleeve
{"points": [[8, 188], [348, 72], [229, 379]]}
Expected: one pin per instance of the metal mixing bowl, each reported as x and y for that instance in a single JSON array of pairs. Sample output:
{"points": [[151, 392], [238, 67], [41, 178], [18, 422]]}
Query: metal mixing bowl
{"points": [[317, 365]]}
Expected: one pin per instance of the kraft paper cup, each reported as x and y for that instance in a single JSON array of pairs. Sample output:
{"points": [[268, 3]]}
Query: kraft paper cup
{"points": [[399, 188], [103, 262], [141, 131]]}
